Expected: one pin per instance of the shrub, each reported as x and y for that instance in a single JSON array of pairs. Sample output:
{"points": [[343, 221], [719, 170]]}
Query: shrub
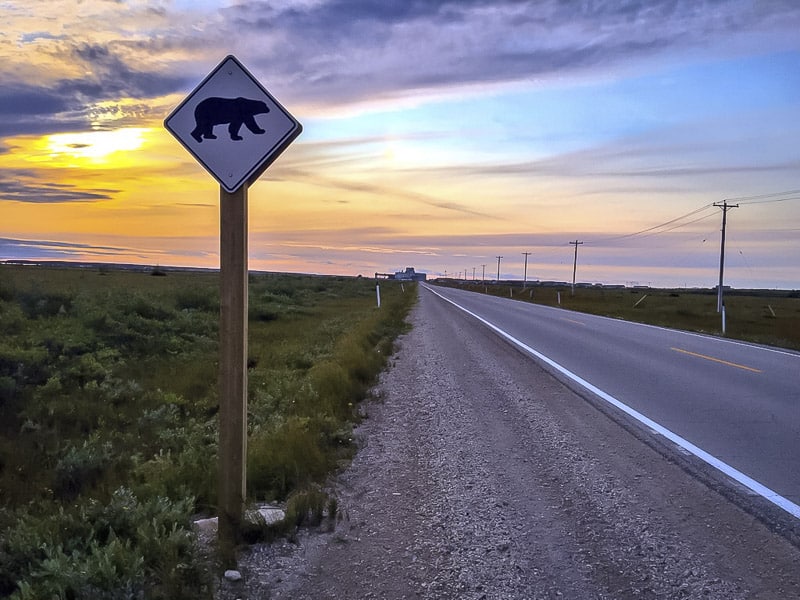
{"points": [[197, 298], [37, 303], [125, 549], [335, 390], [286, 459], [81, 467], [307, 507], [7, 389]]}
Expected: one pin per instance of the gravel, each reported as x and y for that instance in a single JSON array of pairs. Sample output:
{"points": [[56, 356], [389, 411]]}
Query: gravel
{"points": [[481, 476]]}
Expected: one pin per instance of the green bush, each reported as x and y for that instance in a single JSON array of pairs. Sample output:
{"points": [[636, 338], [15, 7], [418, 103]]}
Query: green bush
{"points": [[288, 458], [198, 298], [81, 467], [307, 507], [8, 387], [123, 549]]}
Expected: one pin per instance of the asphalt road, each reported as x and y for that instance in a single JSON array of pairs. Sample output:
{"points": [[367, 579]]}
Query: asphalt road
{"points": [[738, 402]]}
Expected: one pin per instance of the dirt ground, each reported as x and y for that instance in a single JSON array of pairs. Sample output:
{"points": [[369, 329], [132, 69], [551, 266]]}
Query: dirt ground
{"points": [[482, 476]]}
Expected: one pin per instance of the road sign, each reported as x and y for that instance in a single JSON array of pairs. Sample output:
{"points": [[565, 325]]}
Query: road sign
{"points": [[232, 125], [235, 129]]}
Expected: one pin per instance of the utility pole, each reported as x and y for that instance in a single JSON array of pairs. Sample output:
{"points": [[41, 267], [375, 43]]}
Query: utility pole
{"points": [[483, 277], [473, 273], [725, 208], [498, 268], [525, 276], [576, 243]]}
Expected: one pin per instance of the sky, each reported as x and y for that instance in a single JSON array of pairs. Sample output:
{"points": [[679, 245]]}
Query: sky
{"points": [[436, 134]]}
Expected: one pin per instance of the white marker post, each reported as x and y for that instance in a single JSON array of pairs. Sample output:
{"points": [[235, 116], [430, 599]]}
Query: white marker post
{"points": [[257, 130]]}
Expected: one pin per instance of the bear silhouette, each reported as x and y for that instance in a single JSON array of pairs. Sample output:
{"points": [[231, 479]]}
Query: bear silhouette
{"points": [[233, 111]]}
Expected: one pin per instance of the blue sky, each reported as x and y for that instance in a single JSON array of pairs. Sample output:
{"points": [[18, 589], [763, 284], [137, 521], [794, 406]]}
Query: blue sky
{"points": [[437, 134]]}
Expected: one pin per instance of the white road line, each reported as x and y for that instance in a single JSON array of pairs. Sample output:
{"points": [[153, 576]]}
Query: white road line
{"points": [[750, 483]]}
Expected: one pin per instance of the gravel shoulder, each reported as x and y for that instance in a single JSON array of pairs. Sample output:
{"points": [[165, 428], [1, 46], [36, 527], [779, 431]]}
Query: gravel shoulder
{"points": [[481, 476]]}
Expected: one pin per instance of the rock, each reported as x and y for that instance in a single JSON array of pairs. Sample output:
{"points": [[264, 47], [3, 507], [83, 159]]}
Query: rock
{"points": [[270, 514], [207, 526], [232, 575]]}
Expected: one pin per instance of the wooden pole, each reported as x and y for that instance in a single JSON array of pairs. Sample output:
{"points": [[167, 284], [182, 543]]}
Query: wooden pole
{"points": [[233, 370]]}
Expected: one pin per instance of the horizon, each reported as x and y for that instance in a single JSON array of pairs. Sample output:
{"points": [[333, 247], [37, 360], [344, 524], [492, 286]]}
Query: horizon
{"points": [[150, 268], [439, 134]]}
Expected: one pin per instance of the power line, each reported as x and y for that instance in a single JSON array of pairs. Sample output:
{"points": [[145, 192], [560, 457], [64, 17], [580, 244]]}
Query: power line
{"points": [[775, 195], [659, 226], [703, 218]]}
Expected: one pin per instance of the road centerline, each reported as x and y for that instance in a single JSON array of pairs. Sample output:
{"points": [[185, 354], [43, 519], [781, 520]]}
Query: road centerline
{"points": [[573, 321], [717, 360], [755, 486]]}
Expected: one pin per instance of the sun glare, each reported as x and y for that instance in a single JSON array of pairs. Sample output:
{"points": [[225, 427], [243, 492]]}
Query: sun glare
{"points": [[95, 146]]}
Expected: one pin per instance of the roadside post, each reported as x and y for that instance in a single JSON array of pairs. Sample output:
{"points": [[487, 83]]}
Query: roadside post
{"points": [[235, 129]]}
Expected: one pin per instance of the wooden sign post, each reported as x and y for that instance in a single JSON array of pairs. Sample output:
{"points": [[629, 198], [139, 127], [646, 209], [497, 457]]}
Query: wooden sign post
{"points": [[257, 130], [232, 369]]}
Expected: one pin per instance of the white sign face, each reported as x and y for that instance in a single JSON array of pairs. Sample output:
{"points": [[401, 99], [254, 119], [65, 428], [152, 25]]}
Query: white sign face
{"points": [[232, 125]]}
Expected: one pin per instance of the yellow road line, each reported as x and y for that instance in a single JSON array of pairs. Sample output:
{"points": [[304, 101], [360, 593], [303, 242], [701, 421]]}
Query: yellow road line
{"points": [[572, 321], [718, 360]]}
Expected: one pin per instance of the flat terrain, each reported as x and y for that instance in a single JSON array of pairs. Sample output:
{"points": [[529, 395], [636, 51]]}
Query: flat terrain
{"points": [[109, 411], [482, 476]]}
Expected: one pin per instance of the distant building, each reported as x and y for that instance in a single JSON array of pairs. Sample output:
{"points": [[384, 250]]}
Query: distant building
{"points": [[409, 275]]}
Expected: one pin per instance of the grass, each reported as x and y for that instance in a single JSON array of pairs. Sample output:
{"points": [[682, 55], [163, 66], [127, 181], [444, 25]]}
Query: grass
{"points": [[108, 403], [760, 316]]}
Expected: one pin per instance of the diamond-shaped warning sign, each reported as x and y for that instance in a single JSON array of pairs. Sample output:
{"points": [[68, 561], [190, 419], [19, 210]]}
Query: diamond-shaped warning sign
{"points": [[232, 125]]}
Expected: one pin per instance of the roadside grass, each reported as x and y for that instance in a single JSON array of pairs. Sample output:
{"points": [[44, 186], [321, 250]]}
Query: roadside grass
{"points": [[761, 316], [108, 416]]}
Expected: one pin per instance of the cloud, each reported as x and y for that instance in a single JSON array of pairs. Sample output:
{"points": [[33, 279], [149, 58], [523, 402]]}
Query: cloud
{"points": [[110, 76], [146, 250], [80, 83], [383, 191], [11, 248], [25, 109], [335, 52], [351, 50], [23, 186]]}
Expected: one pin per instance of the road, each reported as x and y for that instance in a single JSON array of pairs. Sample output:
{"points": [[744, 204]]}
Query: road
{"points": [[481, 476], [738, 402]]}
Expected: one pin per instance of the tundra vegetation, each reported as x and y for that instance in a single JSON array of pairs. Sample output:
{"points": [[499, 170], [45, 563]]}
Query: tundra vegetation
{"points": [[108, 416], [770, 317]]}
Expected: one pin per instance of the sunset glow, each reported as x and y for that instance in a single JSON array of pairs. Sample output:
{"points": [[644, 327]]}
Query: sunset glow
{"points": [[436, 135], [93, 147]]}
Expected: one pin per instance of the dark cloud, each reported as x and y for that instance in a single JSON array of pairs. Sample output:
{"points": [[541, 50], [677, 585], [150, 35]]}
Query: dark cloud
{"points": [[111, 77], [350, 50], [25, 109], [25, 101], [23, 186], [68, 104]]}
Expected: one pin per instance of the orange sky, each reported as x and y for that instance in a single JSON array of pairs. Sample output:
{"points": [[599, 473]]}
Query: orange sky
{"points": [[435, 151]]}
